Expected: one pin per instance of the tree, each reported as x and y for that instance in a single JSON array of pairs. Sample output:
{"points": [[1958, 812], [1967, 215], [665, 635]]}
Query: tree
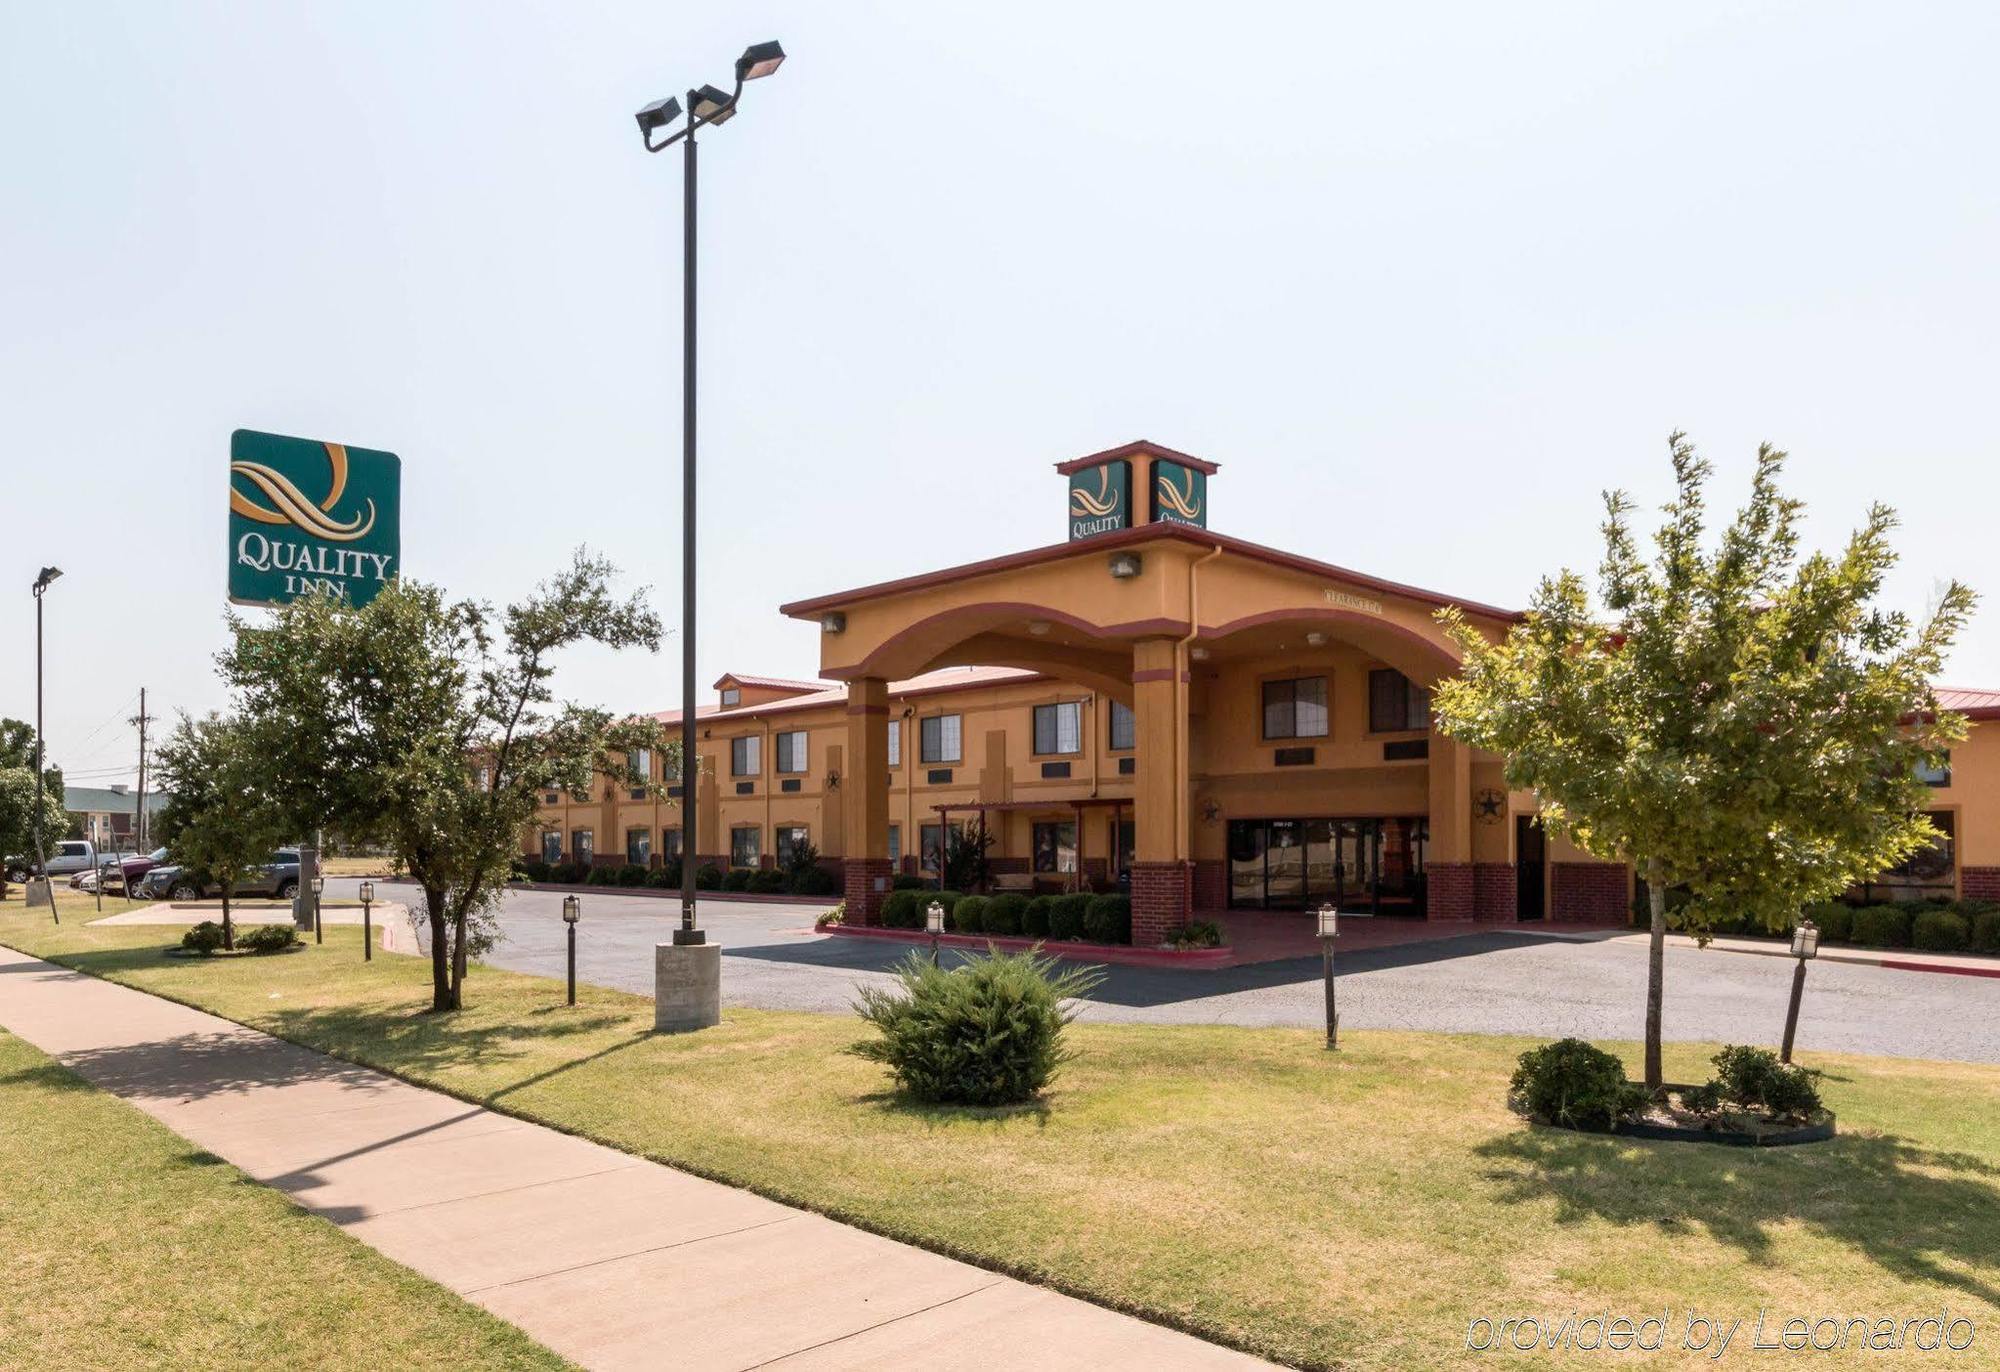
{"points": [[431, 727], [219, 818], [17, 815], [1735, 722]]}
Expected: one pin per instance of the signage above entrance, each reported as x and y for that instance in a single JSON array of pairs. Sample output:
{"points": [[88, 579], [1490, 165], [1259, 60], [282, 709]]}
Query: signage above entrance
{"points": [[1100, 499], [1180, 494], [311, 518]]}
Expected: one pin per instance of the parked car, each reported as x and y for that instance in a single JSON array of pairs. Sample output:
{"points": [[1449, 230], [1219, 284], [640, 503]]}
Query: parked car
{"points": [[121, 870], [278, 877], [65, 856]]}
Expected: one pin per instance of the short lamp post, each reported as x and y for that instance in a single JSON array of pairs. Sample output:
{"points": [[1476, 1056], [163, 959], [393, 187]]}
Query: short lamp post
{"points": [[367, 921], [572, 911], [318, 888], [1329, 930], [934, 925], [1805, 947], [40, 882]]}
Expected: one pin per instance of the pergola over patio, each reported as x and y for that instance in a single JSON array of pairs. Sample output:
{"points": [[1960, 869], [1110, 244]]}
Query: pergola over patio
{"points": [[1077, 804]]}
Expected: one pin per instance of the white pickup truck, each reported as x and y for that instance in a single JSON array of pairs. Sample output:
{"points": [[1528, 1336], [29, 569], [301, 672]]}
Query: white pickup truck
{"points": [[65, 856]]}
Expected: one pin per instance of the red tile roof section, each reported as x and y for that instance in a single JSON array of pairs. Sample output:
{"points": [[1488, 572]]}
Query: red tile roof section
{"points": [[1141, 445]]}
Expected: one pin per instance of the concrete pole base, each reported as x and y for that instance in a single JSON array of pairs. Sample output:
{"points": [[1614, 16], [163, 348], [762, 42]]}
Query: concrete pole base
{"points": [[687, 986], [39, 892]]}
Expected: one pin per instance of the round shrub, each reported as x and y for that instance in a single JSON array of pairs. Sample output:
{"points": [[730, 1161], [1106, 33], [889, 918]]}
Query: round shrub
{"points": [[1835, 920], [1035, 918], [534, 869], [736, 879], [631, 874], [1986, 930], [986, 1032], [1754, 1079], [1066, 914], [708, 877], [969, 915], [1575, 1085], [268, 938], [602, 876], [814, 881], [203, 938], [1003, 913], [767, 881], [1108, 919], [1939, 931], [906, 881], [661, 879], [902, 910], [1882, 926]]}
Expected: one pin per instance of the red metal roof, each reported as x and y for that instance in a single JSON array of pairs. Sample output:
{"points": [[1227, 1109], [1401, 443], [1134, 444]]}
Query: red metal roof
{"points": [[1971, 701], [1138, 445], [776, 683]]}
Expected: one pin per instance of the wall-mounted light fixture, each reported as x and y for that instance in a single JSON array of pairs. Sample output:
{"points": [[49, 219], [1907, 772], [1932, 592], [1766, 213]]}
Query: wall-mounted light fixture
{"points": [[1125, 566], [1316, 639], [833, 622], [1038, 627], [1198, 653]]}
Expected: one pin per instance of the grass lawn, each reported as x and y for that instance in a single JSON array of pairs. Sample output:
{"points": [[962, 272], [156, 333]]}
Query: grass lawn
{"points": [[126, 1247], [1355, 1209]]}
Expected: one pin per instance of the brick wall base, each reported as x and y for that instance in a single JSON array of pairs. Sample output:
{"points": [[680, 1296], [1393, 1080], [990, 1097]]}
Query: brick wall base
{"points": [[1450, 891], [1211, 885], [1162, 898], [859, 879], [1493, 891], [1588, 892], [1979, 883]]}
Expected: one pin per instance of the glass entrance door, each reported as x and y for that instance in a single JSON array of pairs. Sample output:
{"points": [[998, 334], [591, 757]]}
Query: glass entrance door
{"points": [[1361, 864]]}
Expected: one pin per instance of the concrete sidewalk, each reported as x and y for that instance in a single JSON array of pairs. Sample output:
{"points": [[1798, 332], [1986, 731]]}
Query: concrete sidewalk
{"points": [[608, 1259], [1896, 959]]}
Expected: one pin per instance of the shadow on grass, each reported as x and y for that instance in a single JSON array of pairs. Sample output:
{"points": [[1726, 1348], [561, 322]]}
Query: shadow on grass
{"points": [[1915, 1212], [46, 1076], [414, 1041], [938, 1116]]}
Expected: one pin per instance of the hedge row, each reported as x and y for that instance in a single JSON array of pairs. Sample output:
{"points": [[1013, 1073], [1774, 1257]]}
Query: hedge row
{"points": [[808, 881], [1939, 926], [1079, 915]]}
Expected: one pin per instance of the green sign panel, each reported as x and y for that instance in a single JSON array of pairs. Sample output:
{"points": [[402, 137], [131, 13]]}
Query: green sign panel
{"points": [[1100, 499], [311, 518], [1180, 494]]}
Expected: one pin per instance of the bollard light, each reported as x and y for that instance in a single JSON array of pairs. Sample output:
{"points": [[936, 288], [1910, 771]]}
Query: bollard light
{"points": [[1805, 947], [1805, 939], [1329, 921], [318, 885], [367, 921], [1329, 930], [934, 918], [572, 909]]}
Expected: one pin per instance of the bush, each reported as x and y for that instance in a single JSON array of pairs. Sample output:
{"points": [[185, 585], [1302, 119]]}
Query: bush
{"points": [[828, 918], [568, 873], [1835, 920], [1003, 913], [663, 879], [1035, 918], [1108, 919], [987, 1032], [602, 876], [1066, 914], [708, 877], [1575, 1085], [1939, 931], [203, 938], [1201, 933], [969, 915], [1754, 1079], [1882, 926], [632, 874], [814, 881], [904, 910], [768, 881], [904, 881], [268, 938], [736, 879], [534, 869], [1986, 931]]}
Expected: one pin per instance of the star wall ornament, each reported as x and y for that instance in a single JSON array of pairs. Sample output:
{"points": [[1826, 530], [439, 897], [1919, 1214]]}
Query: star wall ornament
{"points": [[1489, 805], [1210, 811]]}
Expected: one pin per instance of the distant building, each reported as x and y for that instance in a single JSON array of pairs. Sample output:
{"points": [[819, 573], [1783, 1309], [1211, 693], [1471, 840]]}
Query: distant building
{"points": [[108, 815]]}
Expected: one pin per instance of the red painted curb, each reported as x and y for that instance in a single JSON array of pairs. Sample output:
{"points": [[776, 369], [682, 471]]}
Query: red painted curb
{"points": [[1081, 952], [674, 893], [1902, 966]]}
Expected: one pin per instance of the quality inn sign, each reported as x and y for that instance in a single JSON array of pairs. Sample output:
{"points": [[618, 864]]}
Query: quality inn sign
{"points": [[311, 518]]}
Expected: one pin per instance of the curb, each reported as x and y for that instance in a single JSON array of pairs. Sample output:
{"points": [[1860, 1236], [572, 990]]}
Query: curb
{"points": [[1120, 953]]}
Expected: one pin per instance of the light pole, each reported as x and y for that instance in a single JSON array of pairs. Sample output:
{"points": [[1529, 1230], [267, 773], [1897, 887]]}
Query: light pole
{"points": [[319, 929], [1329, 930], [706, 105], [367, 921], [48, 897], [934, 922], [1805, 947], [572, 911]]}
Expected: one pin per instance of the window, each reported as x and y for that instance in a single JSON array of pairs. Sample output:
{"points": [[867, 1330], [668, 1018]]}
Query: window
{"points": [[1124, 727], [791, 838], [895, 845], [745, 847], [670, 766], [670, 845], [551, 846], [1059, 727], [732, 696], [745, 757], [639, 847], [1295, 708], [939, 739], [1939, 775], [792, 751], [895, 743], [1395, 702], [1055, 847], [552, 798], [928, 836], [582, 845]]}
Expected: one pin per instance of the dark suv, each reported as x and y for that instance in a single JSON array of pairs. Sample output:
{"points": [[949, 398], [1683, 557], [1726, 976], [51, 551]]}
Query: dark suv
{"points": [[278, 877]]}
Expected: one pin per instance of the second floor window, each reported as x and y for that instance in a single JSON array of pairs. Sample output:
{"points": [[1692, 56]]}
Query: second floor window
{"points": [[791, 751], [745, 757], [1295, 708], [1395, 702], [1124, 727], [940, 739], [1059, 727], [1939, 775], [731, 696]]}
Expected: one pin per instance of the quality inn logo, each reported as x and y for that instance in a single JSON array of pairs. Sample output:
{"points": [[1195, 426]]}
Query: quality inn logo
{"points": [[308, 517], [1180, 494], [1099, 499], [1184, 503]]}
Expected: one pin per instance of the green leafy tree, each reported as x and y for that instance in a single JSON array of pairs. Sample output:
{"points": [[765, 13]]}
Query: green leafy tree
{"points": [[17, 817], [1734, 721], [220, 818], [430, 727]]}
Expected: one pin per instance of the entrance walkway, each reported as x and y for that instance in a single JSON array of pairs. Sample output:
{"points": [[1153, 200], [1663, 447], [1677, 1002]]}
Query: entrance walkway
{"points": [[608, 1259]]}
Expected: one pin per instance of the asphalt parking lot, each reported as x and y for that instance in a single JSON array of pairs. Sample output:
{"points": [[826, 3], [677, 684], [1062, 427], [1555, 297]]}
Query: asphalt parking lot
{"points": [[1495, 981]]}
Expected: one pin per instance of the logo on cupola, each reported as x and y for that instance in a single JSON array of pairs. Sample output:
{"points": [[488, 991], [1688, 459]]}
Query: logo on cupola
{"points": [[1100, 499]]}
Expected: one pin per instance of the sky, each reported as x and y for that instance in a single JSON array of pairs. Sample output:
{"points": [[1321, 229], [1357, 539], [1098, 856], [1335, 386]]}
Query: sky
{"points": [[1425, 280]]}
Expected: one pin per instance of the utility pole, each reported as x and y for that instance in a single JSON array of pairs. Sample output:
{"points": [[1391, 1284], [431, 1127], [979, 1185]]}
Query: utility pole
{"points": [[139, 824]]}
